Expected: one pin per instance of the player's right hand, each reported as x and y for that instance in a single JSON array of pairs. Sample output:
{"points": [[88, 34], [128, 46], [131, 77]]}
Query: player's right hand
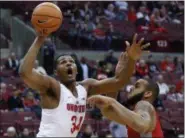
{"points": [[100, 101], [42, 32]]}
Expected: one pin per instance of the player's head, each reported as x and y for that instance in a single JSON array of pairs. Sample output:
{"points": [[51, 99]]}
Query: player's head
{"points": [[66, 69], [144, 89]]}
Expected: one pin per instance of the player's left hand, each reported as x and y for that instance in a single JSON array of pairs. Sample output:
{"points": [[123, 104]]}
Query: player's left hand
{"points": [[137, 48], [100, 101]]}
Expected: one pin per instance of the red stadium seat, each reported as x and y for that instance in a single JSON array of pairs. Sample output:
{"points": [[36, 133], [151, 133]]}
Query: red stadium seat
{"points": [[7, 119], [167, 126], [36, 124], [164, 115], [6, 73], [175, 120], [170, 104], [175, 113], [181, 105], [25, 120]]}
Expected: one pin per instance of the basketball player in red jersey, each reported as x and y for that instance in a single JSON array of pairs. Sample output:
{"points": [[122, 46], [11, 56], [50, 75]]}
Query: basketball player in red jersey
{"points": [[142, 121], [63, 102]]}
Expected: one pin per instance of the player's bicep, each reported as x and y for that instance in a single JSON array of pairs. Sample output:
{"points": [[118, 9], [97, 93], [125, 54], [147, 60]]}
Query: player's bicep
{"points": [[147, 115], [37, 81]]}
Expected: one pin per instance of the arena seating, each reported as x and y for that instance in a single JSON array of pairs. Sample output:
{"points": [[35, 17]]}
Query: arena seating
{"points": [[171, 117]]}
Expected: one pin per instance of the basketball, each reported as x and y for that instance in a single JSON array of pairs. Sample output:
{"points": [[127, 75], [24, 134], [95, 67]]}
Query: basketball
{"points": [[46, 18]]}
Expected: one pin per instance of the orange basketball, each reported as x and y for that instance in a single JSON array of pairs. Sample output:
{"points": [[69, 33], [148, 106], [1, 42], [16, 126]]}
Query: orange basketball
{"points": [[46, 18]]}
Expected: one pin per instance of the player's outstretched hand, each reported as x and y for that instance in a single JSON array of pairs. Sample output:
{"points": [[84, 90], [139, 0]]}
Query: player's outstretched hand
{"points": [[99, 101], [42, 32], [136, 49]]}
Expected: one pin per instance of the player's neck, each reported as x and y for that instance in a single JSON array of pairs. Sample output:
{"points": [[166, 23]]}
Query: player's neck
{"points": [[71, 86]]}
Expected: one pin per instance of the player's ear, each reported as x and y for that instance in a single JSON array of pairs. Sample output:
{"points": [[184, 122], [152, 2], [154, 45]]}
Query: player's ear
{"points": [[55, 72], [148, 94]]}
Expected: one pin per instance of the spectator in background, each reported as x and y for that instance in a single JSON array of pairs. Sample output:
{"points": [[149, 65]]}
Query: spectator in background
{"points": [[141, 69], [167, 64], [73, 32], [142, 22], [121, 15], [109, 12], [79, 76], [132, 14], [175, 96], [122, 5], [74, 35], [85, 34], [12, 62], [99, 36], [101, 71], [156, 22], [11, 132], [15, 102], [48, 56], [4, 95], [87, 133], [180, 84], [90, 25], [118, 130], [29, 101], [152, 66], [163, 87], [156, 18], [178, 63], [86, 10], [173, 11], [85, 68], [99, 12], [142, 14], [164, 13], [25, 134], [110, 58]]}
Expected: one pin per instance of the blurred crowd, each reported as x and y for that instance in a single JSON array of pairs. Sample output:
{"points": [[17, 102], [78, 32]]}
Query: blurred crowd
{"points": [[89, 27], [168, 73]]}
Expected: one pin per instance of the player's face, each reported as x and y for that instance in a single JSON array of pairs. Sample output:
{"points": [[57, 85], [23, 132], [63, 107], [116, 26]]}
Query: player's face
{"points": [[137, 92], [66, 69]]}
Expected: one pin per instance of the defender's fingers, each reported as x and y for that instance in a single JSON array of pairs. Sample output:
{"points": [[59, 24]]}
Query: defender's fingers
{"points": [[141, 41], [145, 46], [134, 39], [127, 45]]}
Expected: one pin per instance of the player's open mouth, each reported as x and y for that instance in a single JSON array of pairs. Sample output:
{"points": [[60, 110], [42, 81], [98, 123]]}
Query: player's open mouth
{"points": [[69, 71]]}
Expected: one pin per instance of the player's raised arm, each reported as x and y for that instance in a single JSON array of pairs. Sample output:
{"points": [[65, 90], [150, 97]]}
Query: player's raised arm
{"points": [[27, 72], [123, 72], [141, 120]]}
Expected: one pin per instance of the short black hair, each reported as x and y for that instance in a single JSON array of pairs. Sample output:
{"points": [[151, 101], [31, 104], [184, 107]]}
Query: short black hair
{"points": [[56, 59], [153, 86]]}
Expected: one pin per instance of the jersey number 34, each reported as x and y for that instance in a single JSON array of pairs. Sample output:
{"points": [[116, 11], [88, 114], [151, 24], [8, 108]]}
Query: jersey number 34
{"points": [[76, 123]]}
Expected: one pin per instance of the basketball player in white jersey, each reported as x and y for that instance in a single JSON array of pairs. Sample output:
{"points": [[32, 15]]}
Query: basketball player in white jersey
{"points": [[64, 102]]}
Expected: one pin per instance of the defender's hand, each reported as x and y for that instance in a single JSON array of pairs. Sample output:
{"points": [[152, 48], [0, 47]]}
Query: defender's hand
{"points": [[136, 49]]}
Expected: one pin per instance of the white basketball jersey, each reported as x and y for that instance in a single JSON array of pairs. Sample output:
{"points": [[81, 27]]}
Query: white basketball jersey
{"points": [[65, 120]]}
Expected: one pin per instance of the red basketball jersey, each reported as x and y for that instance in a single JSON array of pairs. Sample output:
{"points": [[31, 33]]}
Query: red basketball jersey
{"points": [[156, 133]]}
